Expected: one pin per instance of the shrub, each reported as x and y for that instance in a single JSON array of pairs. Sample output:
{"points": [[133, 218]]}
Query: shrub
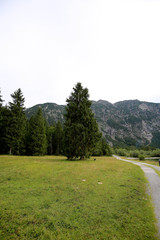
{"points": [[141, 157], [121, 152], [155, 153], [134, 154]]}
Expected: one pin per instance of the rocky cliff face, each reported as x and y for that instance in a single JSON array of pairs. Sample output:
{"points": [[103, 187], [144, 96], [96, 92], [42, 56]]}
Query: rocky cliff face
{"points": [[123, 124], [129, 122]]}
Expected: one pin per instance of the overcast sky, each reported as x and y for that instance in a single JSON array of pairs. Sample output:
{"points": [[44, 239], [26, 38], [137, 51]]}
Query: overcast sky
{"points": [[111, 47]]}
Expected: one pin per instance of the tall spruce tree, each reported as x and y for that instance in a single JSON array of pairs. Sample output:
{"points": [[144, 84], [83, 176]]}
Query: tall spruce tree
{"points": [[50, 138], [17, 123], [5, 130], [58, 139], [3, 123], [36, 137], [55, 139], [81, 128]]}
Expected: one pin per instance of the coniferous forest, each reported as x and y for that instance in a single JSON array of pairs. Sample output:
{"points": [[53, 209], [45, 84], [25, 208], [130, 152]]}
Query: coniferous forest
{"points": [[79, 137]]}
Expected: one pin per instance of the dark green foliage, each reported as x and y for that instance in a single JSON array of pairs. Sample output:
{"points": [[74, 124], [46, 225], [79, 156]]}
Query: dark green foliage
{"points": [[17, 124], [102, 148], [106, 150], [121, 152], [119, 143], [5, 119], [36, 139], [50, 139], [141, 157], [156, 140], [125, 142], [134, 154], [116, 125], [155, 153], [138, 153], [133, 120], [55, 139], [58, 139], [5, 130], [129, 141], [1, 125], [81, 129]]}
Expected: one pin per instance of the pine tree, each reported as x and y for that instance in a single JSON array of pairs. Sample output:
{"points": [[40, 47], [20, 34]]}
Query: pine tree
{"points": [[106, 150], [81, 128], [4, 125], [5, 137], [50, 137], [58, 139], [36, 139], [55, 139], [17, 123]]}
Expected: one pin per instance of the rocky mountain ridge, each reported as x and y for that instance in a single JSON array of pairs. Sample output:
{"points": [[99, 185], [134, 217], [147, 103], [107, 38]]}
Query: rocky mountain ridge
{"points": [[125, 123]]}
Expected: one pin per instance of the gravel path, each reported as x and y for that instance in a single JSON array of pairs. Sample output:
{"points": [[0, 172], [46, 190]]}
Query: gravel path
{"points": [[154, 181]]}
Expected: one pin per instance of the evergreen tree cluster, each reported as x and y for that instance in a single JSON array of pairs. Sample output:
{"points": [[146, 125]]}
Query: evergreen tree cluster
{"points": [[78, 138]]}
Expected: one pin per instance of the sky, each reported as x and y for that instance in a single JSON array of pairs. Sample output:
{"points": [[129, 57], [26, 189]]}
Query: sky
{"points": [[111, 46]]}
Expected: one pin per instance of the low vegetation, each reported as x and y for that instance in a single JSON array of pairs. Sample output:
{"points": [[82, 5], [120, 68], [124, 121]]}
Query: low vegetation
{"points": [[53, 198], [136, 153]]}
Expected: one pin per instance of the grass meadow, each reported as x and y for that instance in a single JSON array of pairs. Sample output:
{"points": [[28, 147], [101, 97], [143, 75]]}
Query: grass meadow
{"points": [[52, 198], [149, 161]]}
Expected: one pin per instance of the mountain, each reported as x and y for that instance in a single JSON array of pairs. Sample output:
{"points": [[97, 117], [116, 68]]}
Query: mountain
{"points": [[125, 123], [51, 111]]}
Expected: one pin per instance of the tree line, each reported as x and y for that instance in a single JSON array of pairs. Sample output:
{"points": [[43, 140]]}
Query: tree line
{"points": [[79, 137]]}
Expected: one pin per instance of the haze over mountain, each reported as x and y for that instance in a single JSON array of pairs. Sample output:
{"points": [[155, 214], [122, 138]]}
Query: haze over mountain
{"points": [[125, 123]]}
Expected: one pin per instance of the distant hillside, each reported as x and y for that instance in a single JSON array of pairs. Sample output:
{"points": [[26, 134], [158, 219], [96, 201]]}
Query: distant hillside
{"points": [[51, 111], [125, 123]]}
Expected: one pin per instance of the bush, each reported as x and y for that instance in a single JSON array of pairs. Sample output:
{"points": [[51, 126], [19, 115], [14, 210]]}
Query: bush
{"points": [[108, 151], [134, 154], [155, 153], [141, 157], [137, 153], [121, 152]]}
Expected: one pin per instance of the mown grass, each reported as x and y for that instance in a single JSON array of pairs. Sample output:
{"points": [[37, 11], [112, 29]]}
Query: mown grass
{"points": [[52, 198]]}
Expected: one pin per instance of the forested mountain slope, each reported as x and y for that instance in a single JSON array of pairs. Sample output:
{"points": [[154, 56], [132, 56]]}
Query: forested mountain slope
{"points": [[124, 123]]}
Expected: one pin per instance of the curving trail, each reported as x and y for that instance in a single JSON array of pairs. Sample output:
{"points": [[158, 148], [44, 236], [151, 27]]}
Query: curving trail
{"points": [[154, 181]]}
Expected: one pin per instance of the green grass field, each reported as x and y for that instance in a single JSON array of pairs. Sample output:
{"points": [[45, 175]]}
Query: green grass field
{"points": [[52, 198], [149, 161]]}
